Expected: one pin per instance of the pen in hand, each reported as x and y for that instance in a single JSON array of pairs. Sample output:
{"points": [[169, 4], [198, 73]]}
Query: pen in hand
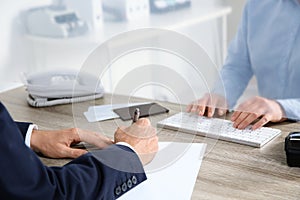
{"points": [[136, 115]]}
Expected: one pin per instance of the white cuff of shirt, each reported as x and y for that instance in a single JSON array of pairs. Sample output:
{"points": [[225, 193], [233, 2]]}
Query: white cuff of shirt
{"points": [[29, 133], [127, 145]]}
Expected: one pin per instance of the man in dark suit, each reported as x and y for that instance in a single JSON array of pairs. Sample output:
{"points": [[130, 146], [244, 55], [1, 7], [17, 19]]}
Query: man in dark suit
{"points": [[101, 174]]}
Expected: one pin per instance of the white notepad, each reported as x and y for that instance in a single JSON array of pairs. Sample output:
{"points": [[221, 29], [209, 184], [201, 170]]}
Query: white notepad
{"points": [[172, 174], [105, 112]]}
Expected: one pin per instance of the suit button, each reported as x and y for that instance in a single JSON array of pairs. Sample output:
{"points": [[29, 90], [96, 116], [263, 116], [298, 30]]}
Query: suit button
{"points": [[134, 180], [129, 183], [118, 191], [124, 187]]}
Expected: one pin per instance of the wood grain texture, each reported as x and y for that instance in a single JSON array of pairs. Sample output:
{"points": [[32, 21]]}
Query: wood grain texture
{"points": [[228, 170]]}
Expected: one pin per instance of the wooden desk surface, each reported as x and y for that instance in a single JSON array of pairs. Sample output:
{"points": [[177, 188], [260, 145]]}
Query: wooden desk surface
{"points": [[228, 170]]}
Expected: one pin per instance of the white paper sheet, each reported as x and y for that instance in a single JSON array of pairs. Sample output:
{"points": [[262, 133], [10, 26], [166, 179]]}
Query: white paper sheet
{"points": [[105, 112], [172, 174]]}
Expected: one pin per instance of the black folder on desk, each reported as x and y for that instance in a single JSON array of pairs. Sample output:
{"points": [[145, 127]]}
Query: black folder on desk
{"points": [[145, 110]]}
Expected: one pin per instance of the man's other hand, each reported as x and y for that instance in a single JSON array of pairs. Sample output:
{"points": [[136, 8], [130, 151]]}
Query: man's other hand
{"points": [[57, 143]]}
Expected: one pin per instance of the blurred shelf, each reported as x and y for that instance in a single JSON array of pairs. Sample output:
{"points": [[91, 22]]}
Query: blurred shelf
{"points": [[198, 12]]}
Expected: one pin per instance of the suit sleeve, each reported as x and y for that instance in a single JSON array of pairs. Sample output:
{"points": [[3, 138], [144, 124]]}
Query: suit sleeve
{"points": [[23, 127], [103, 174]]}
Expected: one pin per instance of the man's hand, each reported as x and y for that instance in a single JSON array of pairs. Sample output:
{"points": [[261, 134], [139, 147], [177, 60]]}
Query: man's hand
{"points": [[265, 110], [57, 143], [142, 137], [208, 104]]}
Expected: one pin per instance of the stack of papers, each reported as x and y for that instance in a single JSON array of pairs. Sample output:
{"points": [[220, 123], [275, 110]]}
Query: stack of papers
{"points": [[105, 112], [172, 174]]}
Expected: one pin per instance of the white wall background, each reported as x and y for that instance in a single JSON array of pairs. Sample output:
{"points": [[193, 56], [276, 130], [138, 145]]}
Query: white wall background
{"points": [[20, 54], [235, 17], [14, 49]]}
